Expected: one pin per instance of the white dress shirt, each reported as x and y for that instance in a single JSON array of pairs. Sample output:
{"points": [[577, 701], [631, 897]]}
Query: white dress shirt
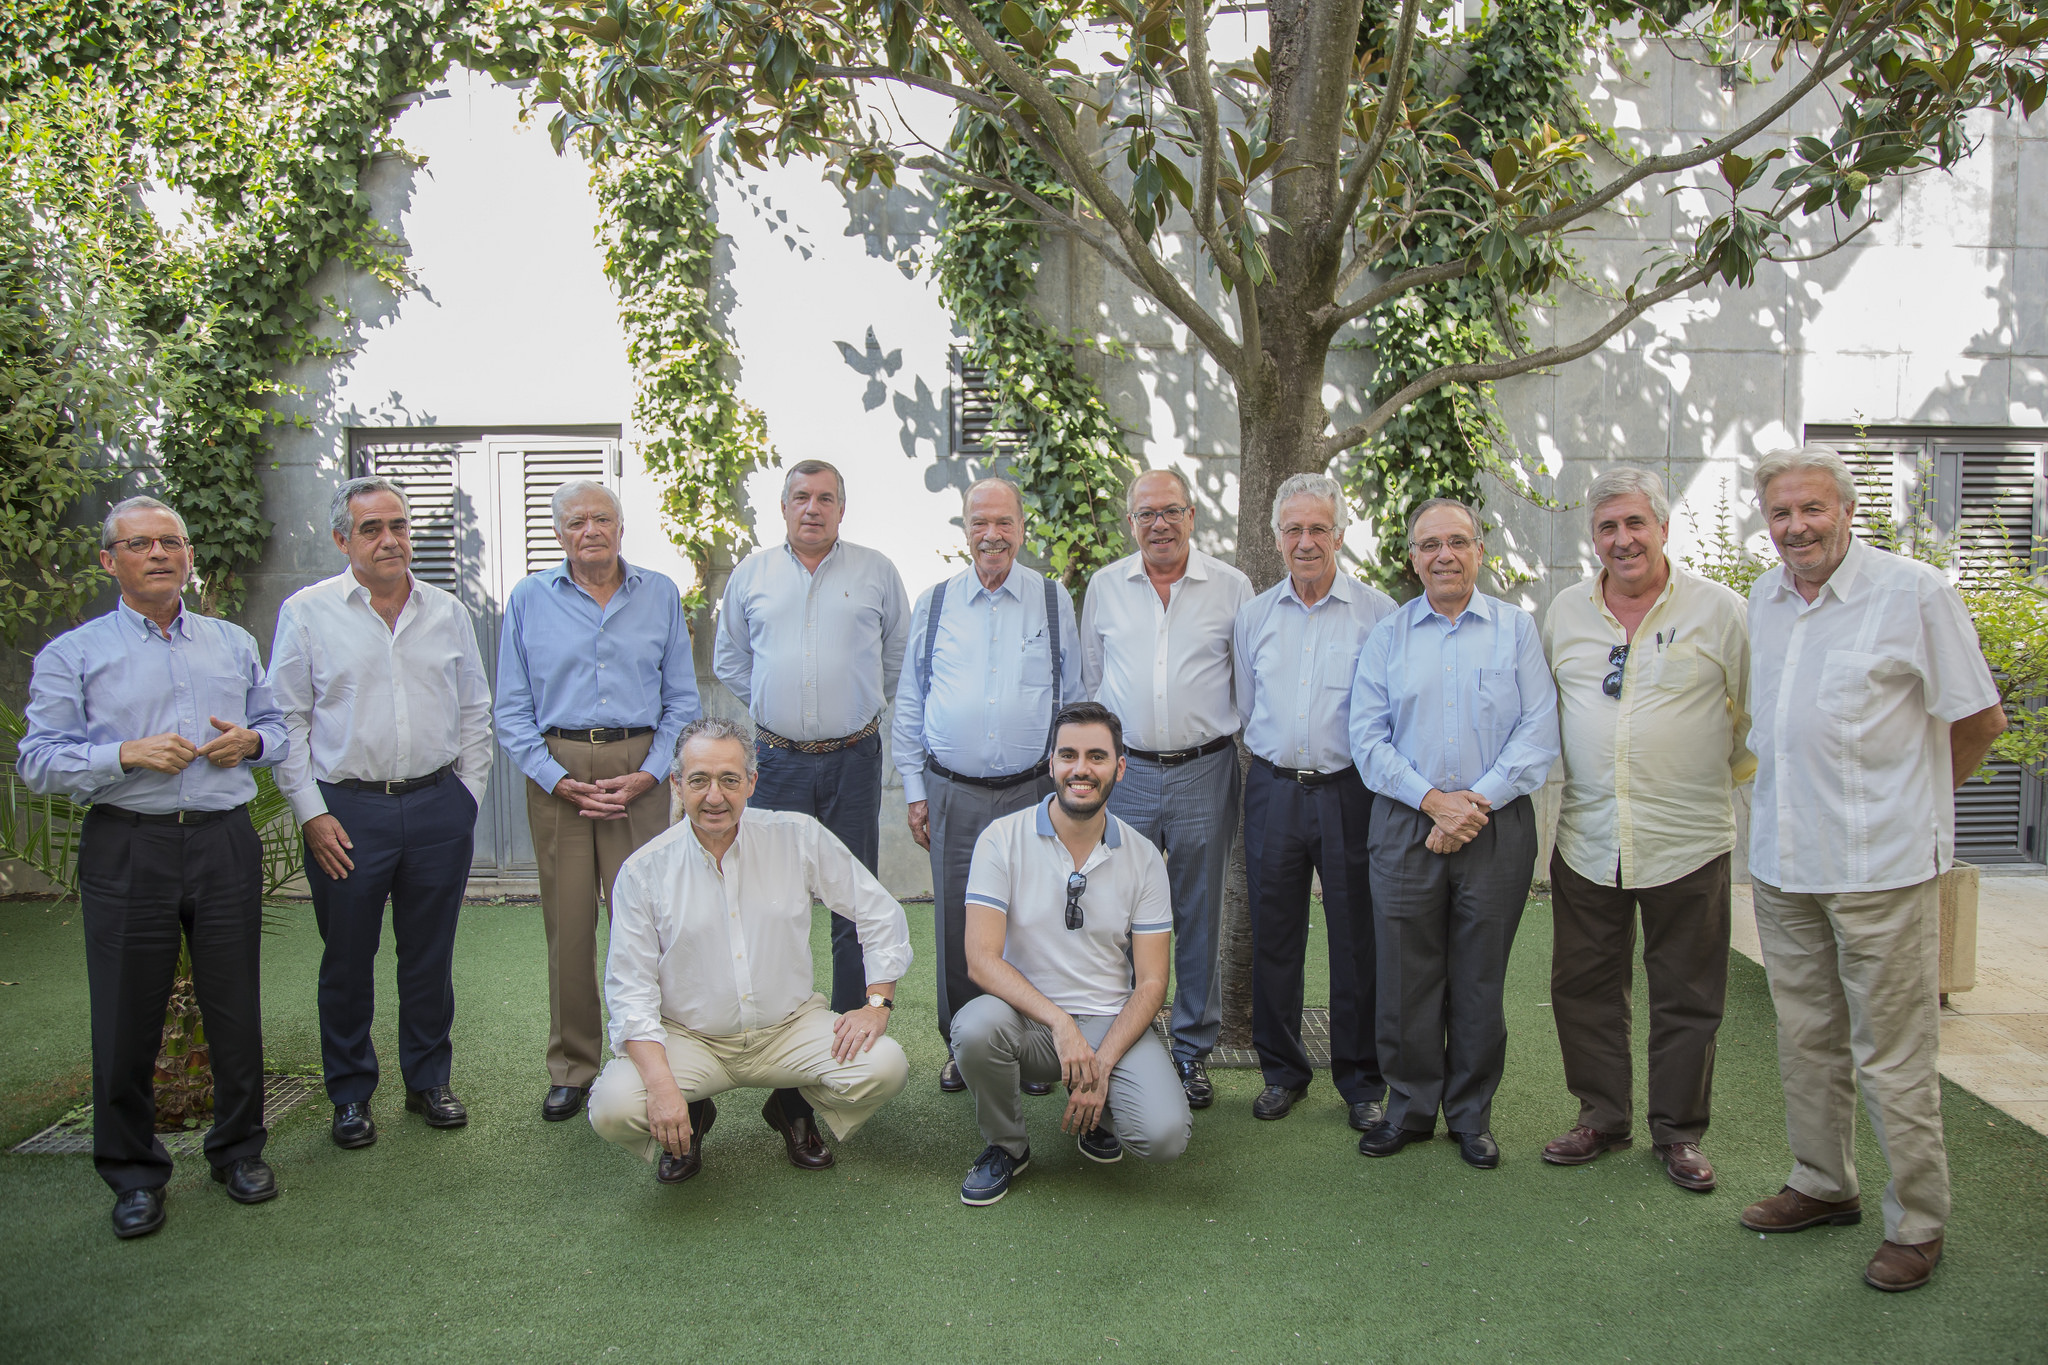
{"points": [[1853, 694], [728, 952], [1295, 664], [813, 655], [1164, 668], [377, 703], [1650, 776], [992, 693]]}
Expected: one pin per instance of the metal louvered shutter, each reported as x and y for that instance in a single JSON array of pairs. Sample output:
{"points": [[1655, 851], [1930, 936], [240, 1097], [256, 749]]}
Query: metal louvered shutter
{"points": [[541, 472], [427, 473], [1875, 468], [975, 432], [1994, 521]]}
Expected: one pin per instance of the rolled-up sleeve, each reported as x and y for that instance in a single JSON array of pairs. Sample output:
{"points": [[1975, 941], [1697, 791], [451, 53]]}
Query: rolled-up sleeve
{"points": [[1532, 746], [632, 967], [851, 892]]}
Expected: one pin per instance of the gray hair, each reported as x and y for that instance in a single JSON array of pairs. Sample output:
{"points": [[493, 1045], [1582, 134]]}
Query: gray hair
{"points": [[138, 503], [576, 487], [806, 467], [716, 727], [1780, 462], [1187, 490], [1621, 482], [993, 481], [1313, 486], [342, 517], [1431, 504]]}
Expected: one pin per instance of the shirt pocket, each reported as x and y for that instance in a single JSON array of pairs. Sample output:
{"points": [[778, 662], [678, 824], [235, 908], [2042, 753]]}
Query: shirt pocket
{"points": [[1497, 695], [1846, 682], [226, 696], [1339, 665], [1674, 667]]}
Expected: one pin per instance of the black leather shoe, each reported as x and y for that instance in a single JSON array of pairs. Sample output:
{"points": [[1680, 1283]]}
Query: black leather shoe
{"points": [[950, 1079], [249, 1180], [1478, 1149], [1366, 1113], [1385, 1139], [1036, 1087], [563, 1102], [674, 1170], [138, 1213], [807, 1151], [440, 1106], [1194, 1078], [352, 1124], [1275, 1101]]}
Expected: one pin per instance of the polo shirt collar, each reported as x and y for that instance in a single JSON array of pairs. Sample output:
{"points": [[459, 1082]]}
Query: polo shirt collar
{"points": [[1112, 830]]}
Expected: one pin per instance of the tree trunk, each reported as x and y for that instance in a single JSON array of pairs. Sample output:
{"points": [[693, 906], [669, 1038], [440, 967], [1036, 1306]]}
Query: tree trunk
{"points": [[184, 1067]]}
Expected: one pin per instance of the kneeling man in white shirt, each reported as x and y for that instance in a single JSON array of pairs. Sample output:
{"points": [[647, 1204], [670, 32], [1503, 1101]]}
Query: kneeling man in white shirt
{"points": [[709, 977]]}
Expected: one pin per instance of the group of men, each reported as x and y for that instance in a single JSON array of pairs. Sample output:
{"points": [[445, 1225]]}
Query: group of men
{"points": [[1077, 786]]}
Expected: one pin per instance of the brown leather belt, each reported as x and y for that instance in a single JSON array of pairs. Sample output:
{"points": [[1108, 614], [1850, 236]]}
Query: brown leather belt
{"points": [[817, 746], [607, 735], [1175, 757]]}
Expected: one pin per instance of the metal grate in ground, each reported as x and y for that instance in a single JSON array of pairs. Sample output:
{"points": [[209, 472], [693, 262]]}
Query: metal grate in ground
{"points": [[72, 1134], [1315, 1040]]}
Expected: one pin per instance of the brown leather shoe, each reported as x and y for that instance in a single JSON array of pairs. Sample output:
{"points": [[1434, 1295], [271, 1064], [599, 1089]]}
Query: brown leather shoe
{"points": [[1583, 1144], [807, 1151], [1685, 1164], [1788, 1211], [1896, 1268]]}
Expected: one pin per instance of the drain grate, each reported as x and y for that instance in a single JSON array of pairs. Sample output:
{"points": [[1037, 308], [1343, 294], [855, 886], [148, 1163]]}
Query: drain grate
{"points": [[1315, 1040], [72, 1134]]}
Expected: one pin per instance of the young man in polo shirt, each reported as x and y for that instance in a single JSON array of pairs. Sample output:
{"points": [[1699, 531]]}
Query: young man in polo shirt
{"points": [[1069, 930]]}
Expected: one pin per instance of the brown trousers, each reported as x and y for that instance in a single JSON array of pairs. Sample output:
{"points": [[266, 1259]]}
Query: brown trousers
{"points": [[1592, 966], [579, 857]]}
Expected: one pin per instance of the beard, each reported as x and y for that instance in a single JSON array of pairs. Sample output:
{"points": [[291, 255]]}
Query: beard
{"points": [[1084, 812]]}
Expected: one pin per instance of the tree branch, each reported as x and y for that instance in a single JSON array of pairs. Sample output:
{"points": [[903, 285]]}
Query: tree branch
{"points": [[1382, 128], [1485, 373], [1054, 216], [1334, 316], [1211, 125]]}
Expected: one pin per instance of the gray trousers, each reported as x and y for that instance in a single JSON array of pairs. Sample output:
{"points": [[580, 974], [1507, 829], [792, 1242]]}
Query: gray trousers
{"points": [[1190, 812], [1443, 926], [999, 1049], [959, 812]]}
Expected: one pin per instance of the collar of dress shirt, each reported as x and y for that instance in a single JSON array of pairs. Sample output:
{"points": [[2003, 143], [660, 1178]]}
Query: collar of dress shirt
{"points": [[1196, 569], [1842, 582], [1419, 609], [1598, 592], [790, 550], [1343, 588], [981, 589], [357, 588], [146, 627], [560, 574], [1111, 834]]}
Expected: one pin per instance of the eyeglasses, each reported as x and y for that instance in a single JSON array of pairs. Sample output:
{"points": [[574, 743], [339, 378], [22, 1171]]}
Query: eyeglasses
{"points": [[1611, 684], [1077, 882], [1457, 545], [140, 545], [1172, 516]]}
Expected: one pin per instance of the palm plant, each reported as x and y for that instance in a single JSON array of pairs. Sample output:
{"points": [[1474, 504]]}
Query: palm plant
{"points": [[42, 832]]}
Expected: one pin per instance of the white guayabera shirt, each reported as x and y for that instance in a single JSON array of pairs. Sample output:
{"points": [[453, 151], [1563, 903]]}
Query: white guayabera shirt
{"points": [[1853, 695]]}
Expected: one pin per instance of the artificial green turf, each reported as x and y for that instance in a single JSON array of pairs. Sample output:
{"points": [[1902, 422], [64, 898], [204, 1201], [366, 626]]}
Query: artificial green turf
{"points": [[515, 1239]]}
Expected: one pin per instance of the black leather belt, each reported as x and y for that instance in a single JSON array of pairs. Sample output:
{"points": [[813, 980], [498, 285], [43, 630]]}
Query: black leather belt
{"points": [[1175, 757], [611, 735], [410, 784], [168, 817], [1307, 777], [1008, 780]]}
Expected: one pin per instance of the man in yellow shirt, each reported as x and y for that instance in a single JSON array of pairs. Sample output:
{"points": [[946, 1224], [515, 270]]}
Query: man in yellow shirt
{"points": [[1652, 670]]}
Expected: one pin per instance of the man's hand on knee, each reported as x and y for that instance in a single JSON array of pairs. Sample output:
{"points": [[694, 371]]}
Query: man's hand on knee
{"points": [[668, 1118], [1079, 1069]]}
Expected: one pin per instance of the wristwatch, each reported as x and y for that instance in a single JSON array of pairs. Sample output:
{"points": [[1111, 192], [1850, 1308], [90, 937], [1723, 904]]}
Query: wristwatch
{"points": [[881, 1002]]}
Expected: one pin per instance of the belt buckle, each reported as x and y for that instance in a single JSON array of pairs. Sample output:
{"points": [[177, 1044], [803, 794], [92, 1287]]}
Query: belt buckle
{"points": [[181, 817], [599, 736], [1302, 775], [391, 788]]}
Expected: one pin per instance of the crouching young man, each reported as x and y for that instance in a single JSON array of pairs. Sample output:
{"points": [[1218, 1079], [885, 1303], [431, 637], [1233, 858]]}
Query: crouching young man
{"points": [[709, 973], [1069, 930]]}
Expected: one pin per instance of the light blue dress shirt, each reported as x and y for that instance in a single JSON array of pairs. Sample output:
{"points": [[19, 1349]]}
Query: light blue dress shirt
{"points": [[564, 661], [991, 702], [117, 678], [1295, 665], [1465, 705]]}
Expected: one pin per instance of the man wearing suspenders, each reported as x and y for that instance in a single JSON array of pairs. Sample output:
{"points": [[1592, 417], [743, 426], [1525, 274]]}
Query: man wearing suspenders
{"points": [[994, 661]]}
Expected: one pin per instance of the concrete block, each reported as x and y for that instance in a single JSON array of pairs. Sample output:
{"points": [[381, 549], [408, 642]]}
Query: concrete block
{"points": [[1957, 390], [2027, 400], [2030, 192], [2030, 295], [1726, 391], [1837, 386]]}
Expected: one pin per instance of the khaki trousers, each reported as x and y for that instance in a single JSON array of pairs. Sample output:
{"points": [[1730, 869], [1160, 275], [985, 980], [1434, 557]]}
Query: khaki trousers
{"points": [[579, 858], [1855, 979], [794, 1054]]}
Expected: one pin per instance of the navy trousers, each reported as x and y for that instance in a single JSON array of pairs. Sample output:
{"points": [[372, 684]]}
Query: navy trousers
{"points": [[142, 888], [1290, 832], [414, 852]]}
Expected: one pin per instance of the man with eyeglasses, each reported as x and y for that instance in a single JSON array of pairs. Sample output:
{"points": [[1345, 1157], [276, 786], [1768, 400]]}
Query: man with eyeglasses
{"points": [[384, 695], [154, 716], [994, 657], [595, 681], [1652, 670], [1306, 811], [709, 972], [1453, 724], [1156, 650], [811, 635], [1068, 930]]}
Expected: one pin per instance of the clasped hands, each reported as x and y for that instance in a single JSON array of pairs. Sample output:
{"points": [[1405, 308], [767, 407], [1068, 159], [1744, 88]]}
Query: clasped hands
{"points": [[1459, 817], [608, 797], [172, 753]]}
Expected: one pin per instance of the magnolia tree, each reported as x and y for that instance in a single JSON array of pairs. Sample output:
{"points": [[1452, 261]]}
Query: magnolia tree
{"points": [[1329, 175]]}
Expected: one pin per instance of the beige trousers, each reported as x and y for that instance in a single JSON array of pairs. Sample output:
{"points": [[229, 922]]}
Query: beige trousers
{"points": [[1855, 978], [579, 857], [794, 1054]]}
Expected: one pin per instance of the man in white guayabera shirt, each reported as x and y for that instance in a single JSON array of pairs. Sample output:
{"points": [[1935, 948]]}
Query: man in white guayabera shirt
{"points": [[1872, 703], [709, 974]]}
